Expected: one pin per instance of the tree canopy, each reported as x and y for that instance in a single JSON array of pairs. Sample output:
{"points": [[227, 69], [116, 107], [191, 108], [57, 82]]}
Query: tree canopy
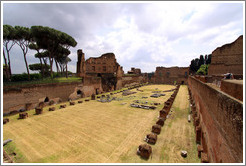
{"points": [[200, 62], [50, 44], [57, 43]]}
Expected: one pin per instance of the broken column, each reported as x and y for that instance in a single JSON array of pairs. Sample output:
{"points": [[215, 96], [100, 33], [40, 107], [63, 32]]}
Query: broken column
{"points": [[6, 120], [151, 138], [38, 110], [144, 151], [156, 129], [160, 122], [23, 115], [93, 97]]}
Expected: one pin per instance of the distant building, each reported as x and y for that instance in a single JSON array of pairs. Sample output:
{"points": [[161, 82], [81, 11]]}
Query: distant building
{"points": [[169, 75], [134, 71], [106, 63]]}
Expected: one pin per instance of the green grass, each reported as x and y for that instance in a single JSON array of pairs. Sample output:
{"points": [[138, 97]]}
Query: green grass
{"points": [[44, 81], [11, 148]]}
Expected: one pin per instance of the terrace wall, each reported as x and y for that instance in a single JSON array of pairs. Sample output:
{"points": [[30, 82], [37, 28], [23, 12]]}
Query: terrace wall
{"points": [[221, 122], [128, 80], [227, 58], [168, 75], [16, 98]]}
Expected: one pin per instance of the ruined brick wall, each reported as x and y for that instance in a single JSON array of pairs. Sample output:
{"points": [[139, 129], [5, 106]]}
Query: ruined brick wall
{"points": [[128, 80], [91, 85], [103, 64], [81, 69], [227, 58], [233, 88], [134, 71], [15, 99], [221, 122], [169, 75]]}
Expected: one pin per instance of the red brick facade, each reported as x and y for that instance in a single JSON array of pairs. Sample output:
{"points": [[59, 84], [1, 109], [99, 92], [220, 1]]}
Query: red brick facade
{"points": [[169, 75], [134, 71], [103, 64], [227, 59]]}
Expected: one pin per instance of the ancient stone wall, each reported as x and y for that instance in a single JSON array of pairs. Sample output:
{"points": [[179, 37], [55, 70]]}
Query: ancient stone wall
{"points": [[227, 58], [220, 119], [134, 71], [233, 88], [17, 98], [130, 80], [169, 75], [103, 64], [81, 68]]}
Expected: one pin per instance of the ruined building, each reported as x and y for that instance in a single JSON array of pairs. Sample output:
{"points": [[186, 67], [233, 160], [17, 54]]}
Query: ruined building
{"points": [[218, 110], [134, 71], [168, 75], [105, 64], [228, 59], [104, 70], [81, 70]]}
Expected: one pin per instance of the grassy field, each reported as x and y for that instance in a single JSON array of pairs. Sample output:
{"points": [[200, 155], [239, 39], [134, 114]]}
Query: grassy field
{"points": [[95, 132], [43, 81]]}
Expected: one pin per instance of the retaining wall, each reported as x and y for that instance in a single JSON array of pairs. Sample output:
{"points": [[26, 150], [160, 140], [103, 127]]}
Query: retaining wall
{"points": [[221, 122], [16, 98]]}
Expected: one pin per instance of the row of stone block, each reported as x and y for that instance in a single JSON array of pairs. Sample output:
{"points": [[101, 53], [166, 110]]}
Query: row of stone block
{"points": [[39, 110], [202, 153], [145, 150]]}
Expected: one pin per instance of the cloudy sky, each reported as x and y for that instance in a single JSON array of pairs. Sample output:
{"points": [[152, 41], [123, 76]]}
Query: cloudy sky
{"points": [[143, 35]]}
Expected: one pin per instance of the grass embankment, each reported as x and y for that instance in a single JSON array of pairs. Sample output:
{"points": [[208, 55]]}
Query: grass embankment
{"points": [[95, 132], [43, 81]]}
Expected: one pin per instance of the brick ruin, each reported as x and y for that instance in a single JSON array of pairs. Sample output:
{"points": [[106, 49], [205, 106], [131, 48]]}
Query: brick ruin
{"points": [[105, 68], [168, 75], [218, 121], [217, 113], [107, 71], [217, 106], [228, 59], [133, 70]]}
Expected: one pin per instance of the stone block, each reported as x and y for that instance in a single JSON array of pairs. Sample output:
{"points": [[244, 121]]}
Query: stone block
{"points": [[52, 108], [156, 129], [38, 110], [23, 115], [144, 150]]}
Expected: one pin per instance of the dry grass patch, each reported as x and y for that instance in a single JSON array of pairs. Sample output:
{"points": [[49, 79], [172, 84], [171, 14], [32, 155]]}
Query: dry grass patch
{"points": [[95, 132]]}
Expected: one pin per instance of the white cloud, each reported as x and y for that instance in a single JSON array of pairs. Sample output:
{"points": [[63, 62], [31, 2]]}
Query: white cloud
{"points": [[144, 35]]}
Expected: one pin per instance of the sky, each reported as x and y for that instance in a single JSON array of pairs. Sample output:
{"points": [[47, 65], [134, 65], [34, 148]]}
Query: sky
{"points": [[142, 34]]}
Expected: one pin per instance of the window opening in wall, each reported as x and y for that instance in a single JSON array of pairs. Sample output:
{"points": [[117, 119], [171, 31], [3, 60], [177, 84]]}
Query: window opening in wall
{"points": [[93, 68], [79, 92], [168, 74], [46, 99], [104, 68], [97, 91]]}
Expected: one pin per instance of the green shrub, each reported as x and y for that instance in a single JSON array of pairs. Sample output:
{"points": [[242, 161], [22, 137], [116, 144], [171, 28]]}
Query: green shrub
{"points": [[24, 77], [203, 70]]}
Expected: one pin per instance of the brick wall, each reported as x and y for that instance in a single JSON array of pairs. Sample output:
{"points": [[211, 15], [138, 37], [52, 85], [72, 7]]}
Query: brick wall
{"points": [[233, 88], [221, 122], [15, 99], [103, 64], [127, 80], [227, 58], [169, 75]]}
